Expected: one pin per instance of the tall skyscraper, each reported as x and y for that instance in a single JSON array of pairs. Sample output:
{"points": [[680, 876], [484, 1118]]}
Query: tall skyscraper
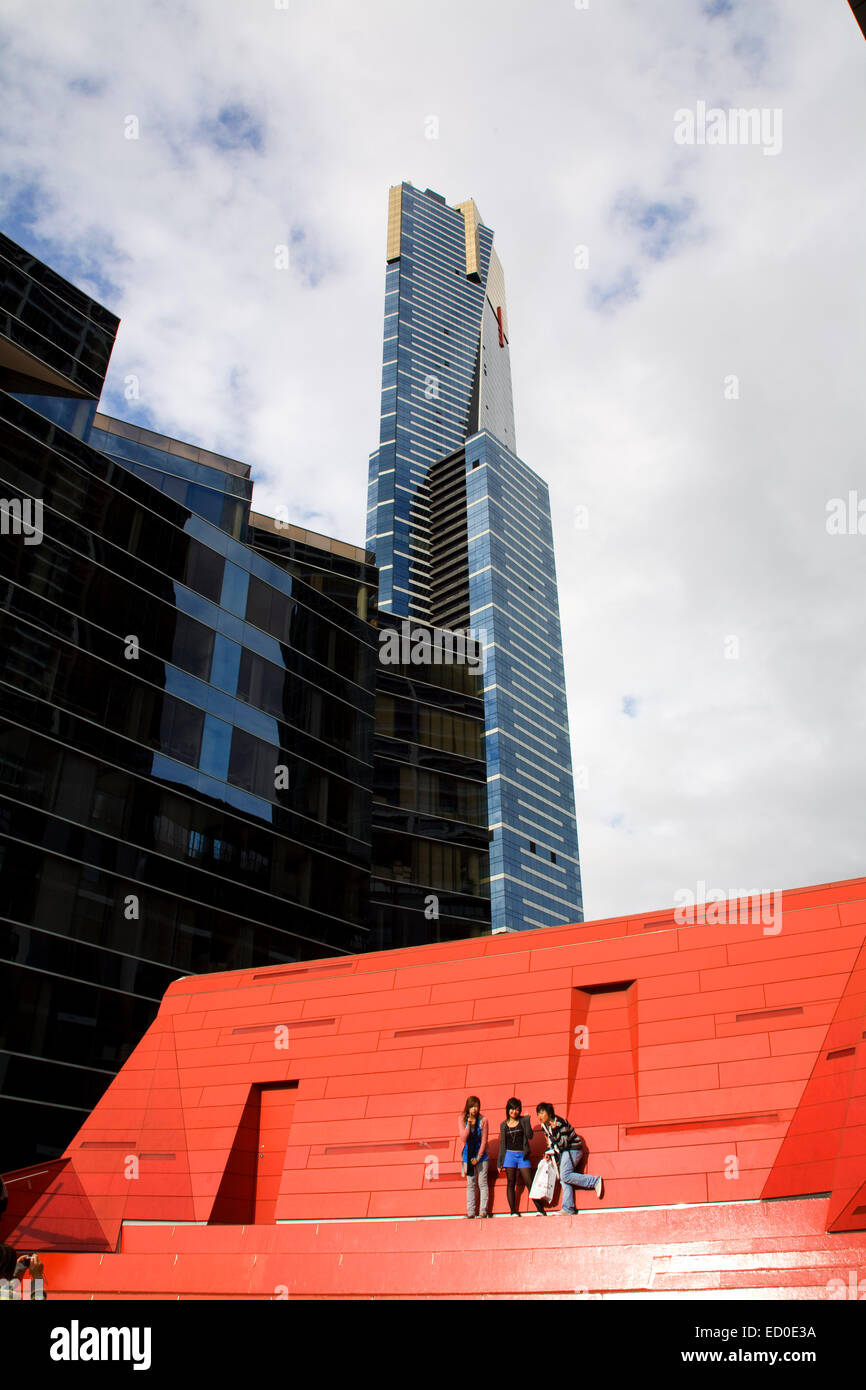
{"points": [[462, 535]]}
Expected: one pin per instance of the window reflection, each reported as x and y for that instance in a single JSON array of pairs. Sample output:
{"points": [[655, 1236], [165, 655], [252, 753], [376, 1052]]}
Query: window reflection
{"points": [[436, 728], [430, 863]]}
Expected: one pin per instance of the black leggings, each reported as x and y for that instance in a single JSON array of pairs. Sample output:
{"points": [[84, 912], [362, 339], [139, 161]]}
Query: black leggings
{"points": [[511, 1181]]}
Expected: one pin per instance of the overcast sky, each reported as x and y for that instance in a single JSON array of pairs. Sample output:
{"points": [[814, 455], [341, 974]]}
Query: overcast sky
{"points": [[693, 379]]}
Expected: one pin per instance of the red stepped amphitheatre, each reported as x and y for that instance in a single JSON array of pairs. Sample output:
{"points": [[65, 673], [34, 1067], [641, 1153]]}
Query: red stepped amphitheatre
{"points": [[290, 1132]]}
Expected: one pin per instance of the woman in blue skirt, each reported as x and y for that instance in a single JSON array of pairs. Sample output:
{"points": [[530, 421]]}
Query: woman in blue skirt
{"points": [[515, 1134]]}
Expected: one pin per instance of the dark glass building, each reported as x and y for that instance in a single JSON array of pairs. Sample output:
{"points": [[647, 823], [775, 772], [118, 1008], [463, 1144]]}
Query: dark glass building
{"points": [[216, 488], [186, 721], [343, 573], [430, 836], [461, 530]]}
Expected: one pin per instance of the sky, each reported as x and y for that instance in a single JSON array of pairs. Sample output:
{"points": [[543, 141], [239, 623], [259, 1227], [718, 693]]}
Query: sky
{"points": [[687, 341]]}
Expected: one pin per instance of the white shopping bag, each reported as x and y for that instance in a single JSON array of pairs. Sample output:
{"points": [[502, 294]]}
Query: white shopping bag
{"points": [[544, 1182]]}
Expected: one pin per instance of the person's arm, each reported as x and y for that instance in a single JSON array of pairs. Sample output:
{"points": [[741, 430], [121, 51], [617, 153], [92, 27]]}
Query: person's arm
{"points": [[501, 1145], [527, 1135], [570, 1136], [462, 1129], [482, 1152]]}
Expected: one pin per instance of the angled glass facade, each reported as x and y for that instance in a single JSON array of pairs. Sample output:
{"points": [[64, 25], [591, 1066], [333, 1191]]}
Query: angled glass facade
{"points": [[186, 725], [56, 340], [186, 744], [343, 573], [461, 530], [214, 487]]}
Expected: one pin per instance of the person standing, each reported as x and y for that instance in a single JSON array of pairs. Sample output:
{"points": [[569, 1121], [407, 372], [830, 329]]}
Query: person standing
{"points": [[472, 1132], [567, 1148], [515, 1136]]}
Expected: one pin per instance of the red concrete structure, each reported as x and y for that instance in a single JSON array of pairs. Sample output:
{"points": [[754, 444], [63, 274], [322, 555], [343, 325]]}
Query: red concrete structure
{"points": [[303, 1117]]}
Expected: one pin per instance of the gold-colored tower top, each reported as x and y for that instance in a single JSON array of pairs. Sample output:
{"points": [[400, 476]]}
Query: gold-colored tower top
{"points": [[472, 221], [395, 218]]}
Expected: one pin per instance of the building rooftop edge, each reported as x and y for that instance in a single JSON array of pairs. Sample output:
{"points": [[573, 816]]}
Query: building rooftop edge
{"points": [[182, 448], [289, 531]]}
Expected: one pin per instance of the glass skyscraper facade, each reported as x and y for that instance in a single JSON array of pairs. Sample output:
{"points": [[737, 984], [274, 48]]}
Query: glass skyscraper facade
{"points": [[186, 724], [461, 530], [440, 379], [216, 488]]}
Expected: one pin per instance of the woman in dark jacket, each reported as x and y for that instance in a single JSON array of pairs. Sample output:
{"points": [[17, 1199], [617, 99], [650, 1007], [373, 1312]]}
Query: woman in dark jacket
{"points": [[515, 1135]]}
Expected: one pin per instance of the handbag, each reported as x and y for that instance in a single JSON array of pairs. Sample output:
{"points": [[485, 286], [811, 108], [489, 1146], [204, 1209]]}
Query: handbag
{"points": [[544, 1181]]}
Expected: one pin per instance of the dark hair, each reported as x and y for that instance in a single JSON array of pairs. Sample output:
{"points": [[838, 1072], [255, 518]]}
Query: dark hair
{"points": [[470, 1101], [545, 1105], [513, 1104], [8, 1261]]}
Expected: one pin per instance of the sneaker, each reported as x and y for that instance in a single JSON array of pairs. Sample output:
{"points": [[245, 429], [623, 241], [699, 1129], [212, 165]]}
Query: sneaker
{"points": [[599, 1189]]}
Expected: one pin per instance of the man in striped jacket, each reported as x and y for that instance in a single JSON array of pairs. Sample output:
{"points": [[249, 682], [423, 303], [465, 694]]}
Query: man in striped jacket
{"points": [[567, 1149]]}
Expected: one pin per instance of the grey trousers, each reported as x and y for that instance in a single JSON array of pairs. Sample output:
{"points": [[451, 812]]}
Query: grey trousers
{"points": [[479, 1171]]}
